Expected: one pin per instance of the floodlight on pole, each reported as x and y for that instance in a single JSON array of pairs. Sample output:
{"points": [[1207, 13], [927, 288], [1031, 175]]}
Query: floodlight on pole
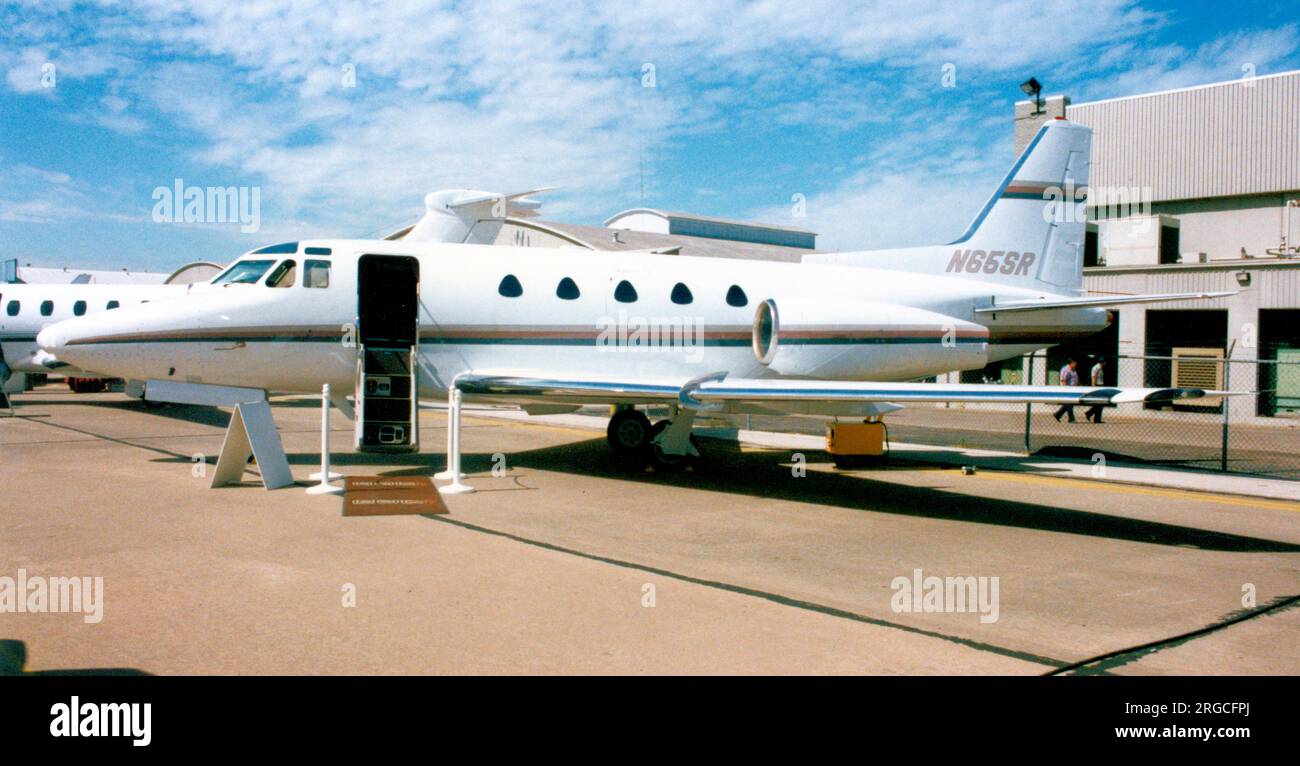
{"points": [[1032, 87]]}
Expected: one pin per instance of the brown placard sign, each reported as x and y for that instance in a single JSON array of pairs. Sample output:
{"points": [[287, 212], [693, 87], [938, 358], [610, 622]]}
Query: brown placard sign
{"points": [[390, 496]]}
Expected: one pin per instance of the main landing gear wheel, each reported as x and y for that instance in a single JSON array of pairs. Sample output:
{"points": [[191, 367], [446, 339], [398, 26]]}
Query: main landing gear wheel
{"points": [[629, 434], [663, 461]]}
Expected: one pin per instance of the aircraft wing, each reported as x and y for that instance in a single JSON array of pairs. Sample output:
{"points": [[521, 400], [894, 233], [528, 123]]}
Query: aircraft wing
{"points": [[1091, 302], [719, 393]]}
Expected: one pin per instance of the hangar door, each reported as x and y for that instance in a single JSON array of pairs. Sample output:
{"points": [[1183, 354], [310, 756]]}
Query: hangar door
{"points": [[1279, 374], [1186, 347]]}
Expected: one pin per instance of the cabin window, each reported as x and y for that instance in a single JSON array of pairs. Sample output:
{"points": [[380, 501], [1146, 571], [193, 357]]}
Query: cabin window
{"points": [[567, 289], [316, 273], [317, 250], [12, 308], [283, 275], [243, 273], [79, 308], [736, 297], [47, 308], [681, 294], [510, 287], [112, 305], [625, 292]]}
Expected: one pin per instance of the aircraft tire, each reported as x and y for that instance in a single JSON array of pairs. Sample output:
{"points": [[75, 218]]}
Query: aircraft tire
{"points": [[628, 434]]}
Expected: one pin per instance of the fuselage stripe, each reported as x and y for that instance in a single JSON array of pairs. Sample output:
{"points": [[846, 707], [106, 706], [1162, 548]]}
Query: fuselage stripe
{"points": [[565, 336], [538, 340]]}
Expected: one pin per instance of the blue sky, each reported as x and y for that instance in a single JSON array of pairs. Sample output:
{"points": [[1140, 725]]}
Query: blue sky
{"points": [[752, 103]]}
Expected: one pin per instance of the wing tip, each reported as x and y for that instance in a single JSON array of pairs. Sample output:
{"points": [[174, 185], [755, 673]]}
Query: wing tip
{"points": [[1174, 394]]}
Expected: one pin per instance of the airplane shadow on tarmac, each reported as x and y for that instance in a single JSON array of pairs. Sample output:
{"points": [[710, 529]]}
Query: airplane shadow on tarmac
{"points": [[724, 467], [190, 413]]}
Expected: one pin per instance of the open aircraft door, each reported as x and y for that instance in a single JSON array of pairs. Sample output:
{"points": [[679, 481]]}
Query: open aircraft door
{"points": [[388, 300]]}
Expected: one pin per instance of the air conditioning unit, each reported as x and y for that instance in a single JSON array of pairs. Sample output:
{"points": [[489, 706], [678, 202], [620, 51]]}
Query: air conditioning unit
{"points": [[1136, 241], [1198, 368]]}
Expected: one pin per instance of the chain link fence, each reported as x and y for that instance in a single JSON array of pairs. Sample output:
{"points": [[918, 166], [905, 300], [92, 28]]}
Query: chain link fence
{"points": [[1255, 431]]}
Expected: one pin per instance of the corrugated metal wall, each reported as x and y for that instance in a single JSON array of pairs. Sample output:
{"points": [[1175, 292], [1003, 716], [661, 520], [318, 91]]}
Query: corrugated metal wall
{"points": [[1281, 290], [1272, 288], [1223, 140]]}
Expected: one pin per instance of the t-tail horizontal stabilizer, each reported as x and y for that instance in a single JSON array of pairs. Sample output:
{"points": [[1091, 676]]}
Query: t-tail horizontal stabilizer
{"points": [[468, 215]]}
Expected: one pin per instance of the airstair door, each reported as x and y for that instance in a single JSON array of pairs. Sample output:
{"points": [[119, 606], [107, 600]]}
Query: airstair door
{"points": [[388, 300]]}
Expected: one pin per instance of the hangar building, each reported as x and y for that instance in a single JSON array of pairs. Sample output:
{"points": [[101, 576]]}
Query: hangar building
{"points": [[1216, 170]]}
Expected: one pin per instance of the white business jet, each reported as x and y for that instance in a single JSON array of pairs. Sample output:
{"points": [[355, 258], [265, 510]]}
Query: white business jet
{"points": [[26, 309], [451, 215], [550, 330]]}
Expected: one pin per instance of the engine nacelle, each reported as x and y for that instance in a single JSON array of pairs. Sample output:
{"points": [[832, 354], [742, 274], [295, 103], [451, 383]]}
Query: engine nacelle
{"points": [[863, 340]]}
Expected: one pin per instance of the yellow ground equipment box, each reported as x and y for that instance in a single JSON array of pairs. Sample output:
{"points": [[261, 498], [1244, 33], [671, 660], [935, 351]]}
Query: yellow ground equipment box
{"points": [[856, 443]]}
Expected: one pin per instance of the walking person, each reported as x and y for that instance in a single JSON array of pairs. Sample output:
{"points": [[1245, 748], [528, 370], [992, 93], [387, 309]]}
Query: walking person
{"points": [[1069, 377], [1098, 376]]}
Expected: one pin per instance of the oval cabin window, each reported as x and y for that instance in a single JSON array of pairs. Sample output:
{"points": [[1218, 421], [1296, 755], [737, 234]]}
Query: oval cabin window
{"points": [[567, 289], [736, 297], [510, 287], [625, 292]]}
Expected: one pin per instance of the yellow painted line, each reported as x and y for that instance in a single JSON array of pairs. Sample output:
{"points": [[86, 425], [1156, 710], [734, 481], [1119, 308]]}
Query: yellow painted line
{"points": [[1133, 489]]}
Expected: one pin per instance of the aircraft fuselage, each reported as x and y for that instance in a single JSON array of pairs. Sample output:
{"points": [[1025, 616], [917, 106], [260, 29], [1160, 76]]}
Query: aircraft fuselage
{"points": [[488, 308]]}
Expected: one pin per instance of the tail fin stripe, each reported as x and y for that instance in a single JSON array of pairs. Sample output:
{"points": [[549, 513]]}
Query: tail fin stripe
{"points": [[1028, 189]]}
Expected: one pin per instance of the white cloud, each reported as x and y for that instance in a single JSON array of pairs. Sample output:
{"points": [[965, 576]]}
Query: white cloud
{"points": [[43, 196], [920, 186], [43, 67], [24, 70], [1232, 55], [511, 95]]}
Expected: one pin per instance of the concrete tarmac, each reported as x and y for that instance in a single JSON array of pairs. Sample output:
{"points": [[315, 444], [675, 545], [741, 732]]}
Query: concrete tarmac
{"points": [[565, 561]]}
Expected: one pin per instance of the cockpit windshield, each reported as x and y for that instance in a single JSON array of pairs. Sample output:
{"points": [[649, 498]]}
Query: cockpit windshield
{"points": [[243, 273]]}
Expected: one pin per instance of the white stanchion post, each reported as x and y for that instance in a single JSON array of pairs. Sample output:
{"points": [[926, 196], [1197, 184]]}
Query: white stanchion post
{"points": [[324, 440], [453, 435], [456, 487], [325, 476]]}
